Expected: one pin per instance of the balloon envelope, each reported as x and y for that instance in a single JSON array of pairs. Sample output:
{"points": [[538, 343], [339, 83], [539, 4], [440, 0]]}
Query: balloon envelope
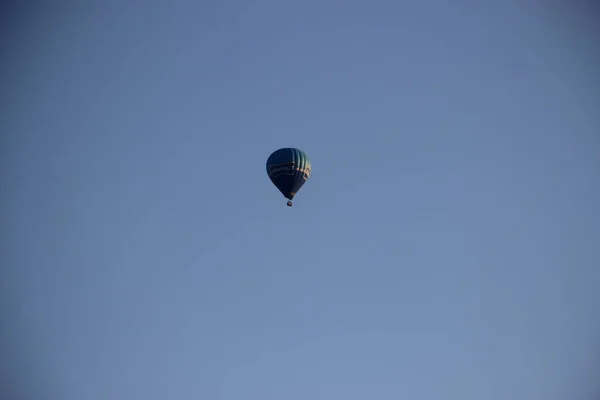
{"points": [[288, 169]]}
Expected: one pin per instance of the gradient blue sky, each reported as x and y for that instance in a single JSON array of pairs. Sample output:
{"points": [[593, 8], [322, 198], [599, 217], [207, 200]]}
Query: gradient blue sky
{"points": [[447, 245]]}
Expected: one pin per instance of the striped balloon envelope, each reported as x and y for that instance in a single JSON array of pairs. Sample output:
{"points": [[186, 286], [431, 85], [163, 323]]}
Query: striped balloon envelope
{"points": [[289, 169]]}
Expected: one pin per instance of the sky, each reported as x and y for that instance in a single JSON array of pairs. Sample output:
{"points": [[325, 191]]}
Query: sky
{"points": [[446, 245]]}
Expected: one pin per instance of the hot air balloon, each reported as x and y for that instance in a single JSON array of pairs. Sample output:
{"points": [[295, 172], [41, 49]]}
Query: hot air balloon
{"points": [[288, 169]]}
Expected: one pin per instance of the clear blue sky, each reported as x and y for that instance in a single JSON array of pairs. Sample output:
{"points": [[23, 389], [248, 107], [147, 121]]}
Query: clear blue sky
{"points": [[446, 246]]}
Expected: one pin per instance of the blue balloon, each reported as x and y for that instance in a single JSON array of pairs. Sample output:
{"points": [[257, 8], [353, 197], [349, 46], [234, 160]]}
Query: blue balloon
{"points": [[288, 169]]}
